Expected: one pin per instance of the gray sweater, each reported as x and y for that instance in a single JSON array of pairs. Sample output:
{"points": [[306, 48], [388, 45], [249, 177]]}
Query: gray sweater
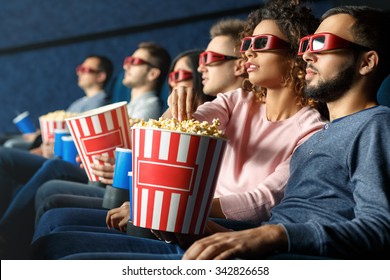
{"points": [[337, 201], [86, 103]]}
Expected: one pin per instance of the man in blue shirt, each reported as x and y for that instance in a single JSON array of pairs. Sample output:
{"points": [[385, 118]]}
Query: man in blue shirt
{"points": [[336, 202]]}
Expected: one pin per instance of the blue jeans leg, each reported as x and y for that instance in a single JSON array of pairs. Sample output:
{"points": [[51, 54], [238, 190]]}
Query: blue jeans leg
{"points": [[62, 244], [16, 168], [17, 223], [61, 193]]}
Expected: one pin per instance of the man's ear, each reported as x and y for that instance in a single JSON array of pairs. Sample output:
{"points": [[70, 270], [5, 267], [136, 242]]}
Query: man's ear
{"points": [[239, 68], [369, 62], [102, 77], [154, 73]]}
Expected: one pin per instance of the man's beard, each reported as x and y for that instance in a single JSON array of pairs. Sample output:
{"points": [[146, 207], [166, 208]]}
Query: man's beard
{"points": [[331, 90]]}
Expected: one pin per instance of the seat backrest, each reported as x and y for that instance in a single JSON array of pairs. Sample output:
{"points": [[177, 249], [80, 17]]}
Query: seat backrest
{"points": [[383, 95], [116, 91]]}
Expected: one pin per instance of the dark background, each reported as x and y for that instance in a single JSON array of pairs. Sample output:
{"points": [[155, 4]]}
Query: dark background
{"points": [[42, 41]]}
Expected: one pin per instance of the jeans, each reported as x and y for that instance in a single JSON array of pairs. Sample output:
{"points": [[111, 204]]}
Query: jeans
{"points": [[17, 223], [16, 168], [62, 244], [71, 219], [60, 194]]}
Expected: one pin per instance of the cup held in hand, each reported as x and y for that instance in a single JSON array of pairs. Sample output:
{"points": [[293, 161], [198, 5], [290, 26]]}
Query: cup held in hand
{"points": [[69, 151], [58, 133], [118, 193], [24, 123]]}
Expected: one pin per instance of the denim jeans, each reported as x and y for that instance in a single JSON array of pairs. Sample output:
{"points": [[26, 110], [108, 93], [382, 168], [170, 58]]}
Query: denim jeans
{"points": [[61, 194], [16, 168], [89, 244], [17, 223]]}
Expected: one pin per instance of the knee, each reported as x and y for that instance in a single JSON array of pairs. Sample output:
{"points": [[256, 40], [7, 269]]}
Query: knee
{"points": [[45, 190], [53, 163], [5, 154]]}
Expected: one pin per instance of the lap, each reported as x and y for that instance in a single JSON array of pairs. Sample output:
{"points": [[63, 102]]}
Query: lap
{"points": [[61, 193], [56, 218], [59, 245]]}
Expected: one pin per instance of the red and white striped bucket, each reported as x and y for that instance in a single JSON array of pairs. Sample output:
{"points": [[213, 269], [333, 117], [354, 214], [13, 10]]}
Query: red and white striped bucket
{"points": [[99, 132], [48, 126], [174, 176]]}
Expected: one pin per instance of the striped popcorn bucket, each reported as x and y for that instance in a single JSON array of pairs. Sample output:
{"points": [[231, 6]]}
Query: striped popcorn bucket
{"points": [[99, 132], [174, 176], [48, 127]]}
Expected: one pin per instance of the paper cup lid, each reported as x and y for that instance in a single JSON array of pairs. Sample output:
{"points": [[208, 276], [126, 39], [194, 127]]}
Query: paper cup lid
{"points": [[67, 138], [124, 150], [20, 117]]}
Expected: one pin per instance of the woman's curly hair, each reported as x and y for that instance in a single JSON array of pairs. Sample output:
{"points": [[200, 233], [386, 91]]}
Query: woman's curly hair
{"points": [[295, 21]]}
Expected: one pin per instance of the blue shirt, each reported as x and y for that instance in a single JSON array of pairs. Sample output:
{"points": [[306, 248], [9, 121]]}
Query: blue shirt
{"points": [[336, 201], [146, 106], [88, 103]]}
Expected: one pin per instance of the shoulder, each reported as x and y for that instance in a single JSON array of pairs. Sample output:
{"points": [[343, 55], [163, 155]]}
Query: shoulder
{"points": [[378, 117], [309, 115], [237, 94], [237, 97]]}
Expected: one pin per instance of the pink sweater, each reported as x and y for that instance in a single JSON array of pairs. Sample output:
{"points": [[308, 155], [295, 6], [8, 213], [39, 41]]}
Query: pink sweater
{"points": [[255, 167]]}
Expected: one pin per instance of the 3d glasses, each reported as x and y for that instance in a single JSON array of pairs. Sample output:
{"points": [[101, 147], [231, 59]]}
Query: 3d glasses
{"points": [[263, 42], [324, 42], [208, 57], [85, 69], [131, 60], [179, 75]]}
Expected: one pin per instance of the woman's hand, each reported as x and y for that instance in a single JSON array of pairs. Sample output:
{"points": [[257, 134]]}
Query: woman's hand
{"points": [[118, 217], [185, 240], [182, 103]]}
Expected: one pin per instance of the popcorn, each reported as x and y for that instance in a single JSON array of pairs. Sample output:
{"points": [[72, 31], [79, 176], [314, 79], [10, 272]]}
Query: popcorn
{"points": [[58, 115], [186, 126], [133, 121]]}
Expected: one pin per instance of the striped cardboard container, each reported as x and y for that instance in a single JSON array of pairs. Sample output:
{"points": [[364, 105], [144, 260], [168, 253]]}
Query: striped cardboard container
{"points": [[99, 132], [174, 176], [48, 127]]}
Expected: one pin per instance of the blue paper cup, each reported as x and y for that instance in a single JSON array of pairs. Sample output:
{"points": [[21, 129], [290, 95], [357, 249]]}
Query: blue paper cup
{"points": [[123, 164], [69, 150], [118, 193], [58, 145], [23, 123]]}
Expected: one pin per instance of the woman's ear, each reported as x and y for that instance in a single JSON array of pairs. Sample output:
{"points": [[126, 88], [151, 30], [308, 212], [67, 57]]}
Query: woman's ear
{"points": [[369, 62]]}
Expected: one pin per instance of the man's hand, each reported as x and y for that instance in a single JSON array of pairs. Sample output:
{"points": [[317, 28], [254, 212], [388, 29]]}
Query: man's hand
{"points": [[104, 171], [30, 137], [47, 149], [247, 244], [118, 217]]}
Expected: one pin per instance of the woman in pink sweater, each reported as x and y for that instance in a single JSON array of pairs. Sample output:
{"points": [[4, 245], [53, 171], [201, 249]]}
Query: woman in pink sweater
{"points": [[264, 122]]}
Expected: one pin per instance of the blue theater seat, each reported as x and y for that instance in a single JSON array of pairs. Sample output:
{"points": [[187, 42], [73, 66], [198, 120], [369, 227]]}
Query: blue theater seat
{"points": [[383, 95], [117, 91]]}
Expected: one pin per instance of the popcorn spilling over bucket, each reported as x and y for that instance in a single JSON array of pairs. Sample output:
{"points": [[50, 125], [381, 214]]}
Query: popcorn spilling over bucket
{"points": [[52, 121], [174, 176], [99, 132]]}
